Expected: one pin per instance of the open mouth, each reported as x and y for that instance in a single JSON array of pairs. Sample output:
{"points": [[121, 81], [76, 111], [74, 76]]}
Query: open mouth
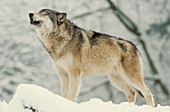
{"points": [[32, 21]]}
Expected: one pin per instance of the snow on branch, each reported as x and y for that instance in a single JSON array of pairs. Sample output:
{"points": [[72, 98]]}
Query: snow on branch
{"points": [[32, 98]]}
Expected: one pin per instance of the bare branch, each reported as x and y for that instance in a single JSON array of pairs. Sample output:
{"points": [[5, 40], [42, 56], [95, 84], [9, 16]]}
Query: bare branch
{"points": [[94, 88], [162, 86], [89, 13], [128, 23], [152, 66]]}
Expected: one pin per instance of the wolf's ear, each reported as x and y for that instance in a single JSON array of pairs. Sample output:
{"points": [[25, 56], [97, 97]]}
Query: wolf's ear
{"points": [[61, 17]]}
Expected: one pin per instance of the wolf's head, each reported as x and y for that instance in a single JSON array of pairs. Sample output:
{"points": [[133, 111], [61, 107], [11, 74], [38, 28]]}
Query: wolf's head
{"points": [[47, 20]]}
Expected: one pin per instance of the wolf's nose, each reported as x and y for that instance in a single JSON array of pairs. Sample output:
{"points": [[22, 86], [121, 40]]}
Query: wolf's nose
{"points": [[31, 14]]}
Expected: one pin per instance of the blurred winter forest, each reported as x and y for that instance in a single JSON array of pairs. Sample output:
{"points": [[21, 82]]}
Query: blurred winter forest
{"points": [[146, 23]]}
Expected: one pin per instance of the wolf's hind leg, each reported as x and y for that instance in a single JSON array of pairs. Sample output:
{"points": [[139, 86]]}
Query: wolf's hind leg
{"points": [[139, 84], [122, 85]]}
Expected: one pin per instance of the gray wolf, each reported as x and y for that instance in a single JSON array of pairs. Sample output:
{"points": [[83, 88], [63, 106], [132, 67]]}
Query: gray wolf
{"points": [[75, 52]]}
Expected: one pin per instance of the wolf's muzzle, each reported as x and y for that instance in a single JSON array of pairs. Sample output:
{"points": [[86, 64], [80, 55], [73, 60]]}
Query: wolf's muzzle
{"points": [[32, 21]]}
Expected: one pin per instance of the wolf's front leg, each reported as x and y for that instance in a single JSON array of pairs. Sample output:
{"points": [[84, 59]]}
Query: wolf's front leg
{"points": [[64, 82], [74, 85]]}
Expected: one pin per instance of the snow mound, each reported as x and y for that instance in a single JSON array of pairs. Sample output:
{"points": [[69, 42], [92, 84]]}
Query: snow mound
{"points": [[32, 98]]}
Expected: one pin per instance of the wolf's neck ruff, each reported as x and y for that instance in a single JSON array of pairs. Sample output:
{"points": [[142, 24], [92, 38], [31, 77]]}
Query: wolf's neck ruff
{"points": [[54, 42]]}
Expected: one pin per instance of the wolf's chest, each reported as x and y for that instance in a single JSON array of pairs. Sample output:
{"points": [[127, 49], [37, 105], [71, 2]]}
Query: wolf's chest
{"points": [[65, 62]]}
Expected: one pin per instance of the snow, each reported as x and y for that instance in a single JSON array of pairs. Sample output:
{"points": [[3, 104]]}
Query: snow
{"points": [[33, 98], [24, 60]]}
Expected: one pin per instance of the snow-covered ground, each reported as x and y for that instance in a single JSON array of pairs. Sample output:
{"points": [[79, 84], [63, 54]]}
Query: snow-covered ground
{"points": [[24, 60], [32, 98]]}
